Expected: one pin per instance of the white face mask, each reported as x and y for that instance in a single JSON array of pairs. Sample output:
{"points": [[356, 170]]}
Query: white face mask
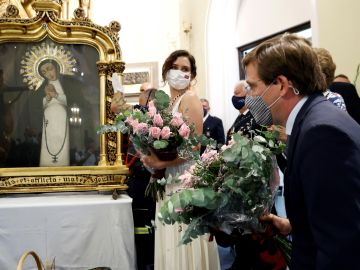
{"points": [[178, 79]]}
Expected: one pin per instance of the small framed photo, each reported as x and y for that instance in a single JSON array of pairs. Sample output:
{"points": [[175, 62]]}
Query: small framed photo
{"points": [[137, 73]]}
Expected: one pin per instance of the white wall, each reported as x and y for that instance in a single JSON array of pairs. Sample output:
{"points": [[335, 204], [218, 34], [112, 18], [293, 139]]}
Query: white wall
{"points": [[150, 29], [234, 23], [337, 24], [261, 18]]}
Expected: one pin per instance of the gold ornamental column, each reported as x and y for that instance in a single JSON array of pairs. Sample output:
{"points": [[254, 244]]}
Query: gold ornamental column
{"points": [[102, 69]]}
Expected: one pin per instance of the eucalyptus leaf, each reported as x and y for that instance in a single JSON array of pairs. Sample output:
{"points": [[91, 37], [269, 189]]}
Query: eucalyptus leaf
{"points": [[160, 144]]}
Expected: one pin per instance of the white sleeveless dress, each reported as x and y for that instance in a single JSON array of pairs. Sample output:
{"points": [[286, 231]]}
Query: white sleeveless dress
{"points": [[55, 143], [200, 254]]}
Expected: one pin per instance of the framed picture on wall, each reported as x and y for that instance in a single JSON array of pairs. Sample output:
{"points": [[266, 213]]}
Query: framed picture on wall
{"points": [[54, 94], [137, 73], [303, 30], [52, 103]]}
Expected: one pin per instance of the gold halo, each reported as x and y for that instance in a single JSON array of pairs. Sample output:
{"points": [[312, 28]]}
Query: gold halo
{"points": [[36, 54]]}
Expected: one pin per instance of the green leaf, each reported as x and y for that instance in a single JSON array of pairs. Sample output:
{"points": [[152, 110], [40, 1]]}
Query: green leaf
{"points": [[229, 155], [170, 207], [258, 148], [259, 139], [244, 153], [162, 100], [160, 144]]}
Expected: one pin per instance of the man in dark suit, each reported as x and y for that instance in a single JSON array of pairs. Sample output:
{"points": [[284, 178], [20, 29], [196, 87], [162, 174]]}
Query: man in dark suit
{"points": [[322, 179], [213, 126], [351, 98], [244, 122]]}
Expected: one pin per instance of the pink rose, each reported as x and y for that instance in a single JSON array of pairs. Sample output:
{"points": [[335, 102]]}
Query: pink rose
{"points": [[129, 120], [184, 131], [209, 155], [176, 122], [158, 121], [141, 128], [151, 109], [186, 180], [165, 133], [224, 147], [134, 124], [155, 132]]}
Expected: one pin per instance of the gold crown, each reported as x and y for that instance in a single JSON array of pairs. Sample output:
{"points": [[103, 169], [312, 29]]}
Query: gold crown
{"points": [[37, 54]]}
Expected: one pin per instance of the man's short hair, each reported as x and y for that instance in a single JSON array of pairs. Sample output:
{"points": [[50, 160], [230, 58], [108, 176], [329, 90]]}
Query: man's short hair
{"points": [[291, 56]]}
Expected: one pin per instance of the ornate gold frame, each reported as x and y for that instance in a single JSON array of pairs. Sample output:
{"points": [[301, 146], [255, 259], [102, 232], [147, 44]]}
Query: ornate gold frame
{"points": [[110, 174]]}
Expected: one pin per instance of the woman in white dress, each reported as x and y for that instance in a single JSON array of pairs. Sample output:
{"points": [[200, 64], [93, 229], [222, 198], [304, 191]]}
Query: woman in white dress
{"points": [[179, 70], [55, 144]]}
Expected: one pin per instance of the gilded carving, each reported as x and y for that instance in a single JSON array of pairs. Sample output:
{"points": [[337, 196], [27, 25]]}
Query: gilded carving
{"points": [[49, 33], [79, 14], [115, 26], [12, 12]]}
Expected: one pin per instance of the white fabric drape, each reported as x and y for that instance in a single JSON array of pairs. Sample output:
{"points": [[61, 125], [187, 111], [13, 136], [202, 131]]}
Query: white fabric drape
{"points": [[81, 231]]}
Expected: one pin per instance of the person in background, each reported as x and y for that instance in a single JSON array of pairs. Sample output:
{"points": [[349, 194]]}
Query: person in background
{"points": [[351, 97], [341, 78], [212, 125], [179, 70], [245, 122], [145, 97], [328, 67], [322, 179], [143, 207], [145, 86]]}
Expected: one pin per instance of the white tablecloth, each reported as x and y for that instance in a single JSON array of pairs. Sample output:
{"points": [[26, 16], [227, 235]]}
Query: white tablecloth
{"points": [[79, 230]]}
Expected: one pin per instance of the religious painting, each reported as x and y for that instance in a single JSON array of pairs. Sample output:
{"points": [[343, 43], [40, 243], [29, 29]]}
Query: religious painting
{"points": [[55, 92], [50, 105]]}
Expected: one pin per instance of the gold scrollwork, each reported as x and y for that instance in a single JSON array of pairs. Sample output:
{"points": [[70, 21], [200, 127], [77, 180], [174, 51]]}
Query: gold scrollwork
{"points": [[109, 174], [12, 12]]}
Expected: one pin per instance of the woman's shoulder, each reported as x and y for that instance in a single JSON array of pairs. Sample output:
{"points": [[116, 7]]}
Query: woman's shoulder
{"points": [[190, 96]]}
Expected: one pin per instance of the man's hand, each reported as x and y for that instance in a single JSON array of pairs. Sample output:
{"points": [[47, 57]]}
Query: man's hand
{"points": [[118, 103], [282, 224]]}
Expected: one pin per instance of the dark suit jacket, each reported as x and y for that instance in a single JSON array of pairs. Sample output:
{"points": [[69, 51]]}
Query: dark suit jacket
{"points": [[351, 98], [245, 123], [213, 128], [322, 188]]}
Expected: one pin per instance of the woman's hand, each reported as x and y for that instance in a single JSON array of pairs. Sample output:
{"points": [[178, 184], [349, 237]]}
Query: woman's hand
{"points": [[152, 161], [282, 224]]}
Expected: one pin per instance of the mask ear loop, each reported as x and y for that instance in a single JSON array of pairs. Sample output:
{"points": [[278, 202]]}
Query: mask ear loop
{"points": [[147, 101], [295, 90]]}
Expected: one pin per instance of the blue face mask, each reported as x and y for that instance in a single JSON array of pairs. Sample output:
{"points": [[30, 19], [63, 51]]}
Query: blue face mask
{"points": [[238, 102]]}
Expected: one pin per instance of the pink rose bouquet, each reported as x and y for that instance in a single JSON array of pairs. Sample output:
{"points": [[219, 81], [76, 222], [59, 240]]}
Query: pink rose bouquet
{"points": [[160, 131], [227, 189]]}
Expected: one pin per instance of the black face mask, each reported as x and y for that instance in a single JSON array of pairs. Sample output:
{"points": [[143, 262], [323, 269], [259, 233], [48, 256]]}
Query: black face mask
{"points": [[238, 102], [205, 111], [144, 109]]}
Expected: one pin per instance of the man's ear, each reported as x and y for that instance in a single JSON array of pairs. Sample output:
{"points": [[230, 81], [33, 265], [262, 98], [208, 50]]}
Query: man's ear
{"points": [[283, 83]]}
